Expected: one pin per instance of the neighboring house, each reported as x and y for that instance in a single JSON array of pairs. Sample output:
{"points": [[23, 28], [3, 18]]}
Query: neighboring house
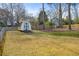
{"points": [[55, 22], [14, 22], [27, 18], [5, 17]]}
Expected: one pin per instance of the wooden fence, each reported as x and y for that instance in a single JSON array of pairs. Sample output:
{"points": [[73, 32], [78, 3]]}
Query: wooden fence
{"points": [[2, 32], [4, 29]]}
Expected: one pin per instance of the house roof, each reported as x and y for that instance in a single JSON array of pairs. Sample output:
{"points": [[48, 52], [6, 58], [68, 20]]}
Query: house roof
{"points": [[4, 13]]}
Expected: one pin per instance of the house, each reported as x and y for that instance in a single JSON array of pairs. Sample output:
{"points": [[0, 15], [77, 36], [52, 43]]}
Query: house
{"points": [[5, 17], [55, 22]]}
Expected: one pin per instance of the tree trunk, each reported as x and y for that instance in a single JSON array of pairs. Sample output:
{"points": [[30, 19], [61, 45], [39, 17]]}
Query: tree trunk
{"points": [[69, 15], [43, 16], [60, 16], [11, 10]]}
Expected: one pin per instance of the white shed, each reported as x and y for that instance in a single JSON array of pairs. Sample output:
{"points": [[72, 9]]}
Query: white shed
{"points": [[25, 26]]}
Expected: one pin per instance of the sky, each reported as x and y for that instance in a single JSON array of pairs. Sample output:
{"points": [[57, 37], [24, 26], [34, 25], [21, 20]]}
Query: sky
{"points": [[34, 8]]}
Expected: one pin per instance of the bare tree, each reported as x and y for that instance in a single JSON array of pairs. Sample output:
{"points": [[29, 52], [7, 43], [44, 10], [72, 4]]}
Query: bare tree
{"points": [[19, 11], [53, 13], [75, 7], [16, 10], [69, 15], [11, 9], [43, 15], [60, 16]]}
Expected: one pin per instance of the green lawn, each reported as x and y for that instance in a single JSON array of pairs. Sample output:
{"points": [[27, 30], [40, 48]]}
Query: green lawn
{"points": [[66, 33], [41, 43]]}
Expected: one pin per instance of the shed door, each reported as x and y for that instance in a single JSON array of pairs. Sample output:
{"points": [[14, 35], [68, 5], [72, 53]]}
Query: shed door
{"points": [[26, 26]]}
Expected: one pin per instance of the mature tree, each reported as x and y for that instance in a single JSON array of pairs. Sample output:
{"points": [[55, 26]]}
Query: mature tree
{"points": [[60, 16], [4, 16], [75, 8], [19, 11], [53, 13], [69, 15], [9, 7], [42, 17]]}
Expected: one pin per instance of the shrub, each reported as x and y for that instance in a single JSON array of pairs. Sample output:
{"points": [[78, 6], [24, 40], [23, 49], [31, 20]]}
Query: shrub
{"points": [[2, 24], [48, 24]]}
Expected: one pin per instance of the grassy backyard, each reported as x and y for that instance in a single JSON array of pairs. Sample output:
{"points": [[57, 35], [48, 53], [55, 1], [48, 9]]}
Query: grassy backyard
{"points": [[41, 43]]}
